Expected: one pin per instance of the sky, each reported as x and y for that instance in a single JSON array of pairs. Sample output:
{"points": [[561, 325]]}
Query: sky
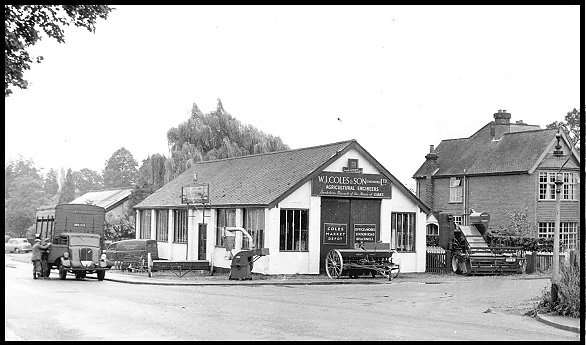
{"points": [[395, 78]]}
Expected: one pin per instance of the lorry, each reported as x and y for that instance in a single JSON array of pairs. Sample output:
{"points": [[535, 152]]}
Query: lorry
{"points": [[76, 232]]}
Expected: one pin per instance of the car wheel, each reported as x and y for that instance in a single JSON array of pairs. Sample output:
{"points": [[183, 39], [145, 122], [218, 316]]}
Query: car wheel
{"points": [[16, 250], [101, 275], [62, 272]]}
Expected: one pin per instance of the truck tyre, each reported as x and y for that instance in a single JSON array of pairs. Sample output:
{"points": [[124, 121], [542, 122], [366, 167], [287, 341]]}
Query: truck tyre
{"points": [[101, 275], [62, 272], [47, 272]]}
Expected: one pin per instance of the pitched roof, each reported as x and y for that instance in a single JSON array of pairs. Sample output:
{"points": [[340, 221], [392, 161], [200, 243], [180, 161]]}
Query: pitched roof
{"points": [[261, 179], [515, 152], [103, 198]]}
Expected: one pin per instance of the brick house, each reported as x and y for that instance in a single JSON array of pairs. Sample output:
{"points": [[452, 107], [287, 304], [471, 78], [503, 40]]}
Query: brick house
{"points": [[507, 170]]}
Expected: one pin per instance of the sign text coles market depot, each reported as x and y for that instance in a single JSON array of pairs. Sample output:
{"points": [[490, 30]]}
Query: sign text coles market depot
{"points": [[351, 185]]}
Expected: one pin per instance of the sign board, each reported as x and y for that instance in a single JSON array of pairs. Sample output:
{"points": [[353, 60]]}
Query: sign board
{"points": [[365, 233], [335, 233], [198, 194], [351, 185]]}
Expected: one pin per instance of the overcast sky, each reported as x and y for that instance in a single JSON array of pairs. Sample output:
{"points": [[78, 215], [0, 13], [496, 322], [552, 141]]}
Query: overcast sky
{"points": [[400, 78]]}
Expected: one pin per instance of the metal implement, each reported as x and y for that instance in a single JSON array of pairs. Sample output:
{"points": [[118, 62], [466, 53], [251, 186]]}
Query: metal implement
{"points": [[243, 261], [471, 255], [369, 258]]}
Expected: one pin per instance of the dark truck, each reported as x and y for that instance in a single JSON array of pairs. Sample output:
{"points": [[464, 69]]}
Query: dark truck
{"points": [[76, 231]]}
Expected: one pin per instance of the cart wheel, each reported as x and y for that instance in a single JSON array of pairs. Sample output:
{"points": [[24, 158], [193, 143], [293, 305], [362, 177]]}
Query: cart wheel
{"points": [[334, 264]]}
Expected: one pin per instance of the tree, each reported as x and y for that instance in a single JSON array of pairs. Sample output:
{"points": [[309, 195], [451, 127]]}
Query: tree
{"points": [[24, 26], [151, 174], [51, 186], [215, 135], [86, 180], [121, 170], [68, 189], [571, 126]]}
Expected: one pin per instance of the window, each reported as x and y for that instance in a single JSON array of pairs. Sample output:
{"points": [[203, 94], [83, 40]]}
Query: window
{"points": [[568, 233], [432, 230], [458, 220], [162, 223], [455, 189], [294, 227], [404, 226], [226, 217], [254, 223], [180, 226], [145, 224], [570, 186], [546, 186]]}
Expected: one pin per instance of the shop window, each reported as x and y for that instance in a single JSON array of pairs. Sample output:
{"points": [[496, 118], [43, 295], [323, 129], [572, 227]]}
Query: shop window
{"points": [[162, 223], [568, 233], [403, 224], [455, 189], [180, 226], [294, 227], [254, 223], [225, 217], [145, 224]]}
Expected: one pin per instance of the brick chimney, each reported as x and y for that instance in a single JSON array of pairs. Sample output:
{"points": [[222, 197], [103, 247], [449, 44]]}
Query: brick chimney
{"points": [[502, 117], [431, 161]]}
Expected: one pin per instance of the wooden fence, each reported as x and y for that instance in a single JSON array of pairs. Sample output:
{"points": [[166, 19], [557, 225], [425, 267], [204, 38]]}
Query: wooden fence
{"points": [[543, 260], [435, 260]]}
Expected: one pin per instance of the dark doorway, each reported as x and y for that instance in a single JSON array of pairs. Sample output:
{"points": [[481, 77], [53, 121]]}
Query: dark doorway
{"points": [[202, 241], [344, 221]]}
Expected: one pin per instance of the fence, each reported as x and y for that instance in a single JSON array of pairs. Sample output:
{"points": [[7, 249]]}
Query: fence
{"points": [[435, 260], [543, 260]]}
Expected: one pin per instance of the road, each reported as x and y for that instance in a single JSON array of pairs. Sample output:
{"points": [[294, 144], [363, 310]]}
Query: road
{"points": [[466, 308]]}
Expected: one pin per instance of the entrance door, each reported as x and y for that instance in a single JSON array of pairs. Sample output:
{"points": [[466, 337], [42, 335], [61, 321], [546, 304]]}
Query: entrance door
{"points": [[345, 221], [202, 243]]}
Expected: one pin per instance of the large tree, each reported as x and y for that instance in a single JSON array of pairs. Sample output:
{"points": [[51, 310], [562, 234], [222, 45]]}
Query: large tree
{"points": [[25, 25], [51, 185], [151, 174], [215, 135], [68, 189], [571, 126], [121, 170], [86, 180]]}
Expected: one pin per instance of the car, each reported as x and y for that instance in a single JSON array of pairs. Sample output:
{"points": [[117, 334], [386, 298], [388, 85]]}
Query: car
{"points": [[17, 245]]}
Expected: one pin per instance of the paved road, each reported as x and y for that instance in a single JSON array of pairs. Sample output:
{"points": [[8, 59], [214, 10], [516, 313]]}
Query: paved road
{"points": [[92, 310]]}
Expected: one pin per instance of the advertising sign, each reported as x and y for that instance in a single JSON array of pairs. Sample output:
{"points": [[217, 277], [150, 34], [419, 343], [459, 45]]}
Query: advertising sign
{"points": [[198, 194], [365, 233], [335, 233], [351, 185]]}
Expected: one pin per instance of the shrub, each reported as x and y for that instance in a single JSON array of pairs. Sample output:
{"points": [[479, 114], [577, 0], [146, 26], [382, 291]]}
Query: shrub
{"points": [[568, 303]]}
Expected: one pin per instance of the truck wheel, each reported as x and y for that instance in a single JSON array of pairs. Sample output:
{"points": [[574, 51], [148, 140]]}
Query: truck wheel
{"points": [[62, 272], [101, 275]]}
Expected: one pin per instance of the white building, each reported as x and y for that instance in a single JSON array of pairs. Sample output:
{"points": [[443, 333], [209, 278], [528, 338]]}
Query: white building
{"points": [[298, 203]]}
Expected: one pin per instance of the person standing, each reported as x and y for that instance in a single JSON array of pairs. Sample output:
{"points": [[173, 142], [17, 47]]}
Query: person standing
{"points": [[45, 249], [36, 258]]}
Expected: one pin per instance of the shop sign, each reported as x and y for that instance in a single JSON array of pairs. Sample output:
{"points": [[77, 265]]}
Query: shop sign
{"points": [[351, 185], [335, 233], [365, 233], [198, 194]]}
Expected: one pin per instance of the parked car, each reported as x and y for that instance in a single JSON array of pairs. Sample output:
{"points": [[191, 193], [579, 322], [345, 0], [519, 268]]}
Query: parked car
{"points": [[17, 245], [133, 252]]}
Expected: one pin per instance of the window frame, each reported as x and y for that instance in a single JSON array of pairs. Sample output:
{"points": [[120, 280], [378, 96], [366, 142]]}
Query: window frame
{"points": [[180, 225], [568, 232], [162, 235], [224, 220], [395, 229], [303, 245], [258, 233], [456, 190], [145, 214]]}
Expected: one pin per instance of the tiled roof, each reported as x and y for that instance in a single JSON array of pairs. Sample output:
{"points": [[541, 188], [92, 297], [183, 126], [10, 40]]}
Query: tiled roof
{"points": [[103, 198], [480, 154], [262, 179], [247, 180]]}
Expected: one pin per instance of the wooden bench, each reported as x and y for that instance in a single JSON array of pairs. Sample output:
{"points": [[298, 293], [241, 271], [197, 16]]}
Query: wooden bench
{"points": [[179, 268]]}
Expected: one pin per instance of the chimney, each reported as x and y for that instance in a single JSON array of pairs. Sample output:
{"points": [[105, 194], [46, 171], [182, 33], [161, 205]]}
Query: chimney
{"points": [[431, 161], [502, 117]]}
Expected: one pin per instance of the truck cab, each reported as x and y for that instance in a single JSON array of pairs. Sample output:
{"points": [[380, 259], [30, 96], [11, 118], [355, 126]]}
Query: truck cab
{"points": [[78, 253]]}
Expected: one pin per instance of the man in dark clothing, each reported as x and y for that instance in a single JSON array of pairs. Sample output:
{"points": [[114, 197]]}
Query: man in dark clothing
{"points": [[45, 248]]}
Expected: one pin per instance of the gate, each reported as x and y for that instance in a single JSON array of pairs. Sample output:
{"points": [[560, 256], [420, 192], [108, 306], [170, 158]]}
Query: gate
{"points": [[435, 260]]}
